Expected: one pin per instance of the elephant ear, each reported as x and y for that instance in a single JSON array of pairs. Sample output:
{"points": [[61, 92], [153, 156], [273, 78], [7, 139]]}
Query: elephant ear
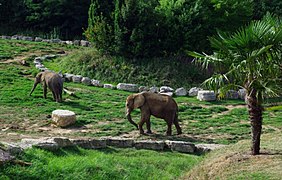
{"points": [[139, 100]]}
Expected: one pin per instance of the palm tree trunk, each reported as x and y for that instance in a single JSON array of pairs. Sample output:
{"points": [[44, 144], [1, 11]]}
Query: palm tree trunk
{"points": [[255, 115]]}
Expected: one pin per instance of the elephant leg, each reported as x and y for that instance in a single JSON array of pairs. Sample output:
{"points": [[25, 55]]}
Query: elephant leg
{"points": [[145, 117], [178, 128], [169, 124], [54, 96], [148, 124], [45, 91]]}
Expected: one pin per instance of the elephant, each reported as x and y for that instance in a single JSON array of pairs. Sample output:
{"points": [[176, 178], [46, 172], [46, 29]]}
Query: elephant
{"points": [[51, 80], [158, 105]]}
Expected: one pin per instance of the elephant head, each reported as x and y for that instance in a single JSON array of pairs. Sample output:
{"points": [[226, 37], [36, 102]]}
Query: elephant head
{"points": [[132, 102], [38, 79], [160, 106]]}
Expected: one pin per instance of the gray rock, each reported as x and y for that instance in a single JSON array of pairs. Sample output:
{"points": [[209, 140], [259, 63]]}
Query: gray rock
{"points": [[143, 89], [231, 94], [120, 142], [39, 66], [180, 92], [76, 42], [242, 94], [47, 40], [5, 157], [166, 93], [86, 81], [49, 56], [6, 37], [84, 43], [90, 143], [63, 118], [204, 148], [181, 146], [68, 77], [27, 38], [154, 89], [206, 96], [166, 89], [38, 39], [109, 86], [97, 83], [152, 145], [56, 40], [15, 37], [69, 42], [128, 87], [194, 91], [76, 78], [12, 148]]}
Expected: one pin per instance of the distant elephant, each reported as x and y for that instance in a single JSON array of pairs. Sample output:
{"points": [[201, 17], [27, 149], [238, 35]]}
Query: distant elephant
{"points": [[51, 80], [160, 106]]}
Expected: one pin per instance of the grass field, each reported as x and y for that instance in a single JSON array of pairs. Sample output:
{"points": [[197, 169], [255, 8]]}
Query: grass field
{"points": [[101, 112]]}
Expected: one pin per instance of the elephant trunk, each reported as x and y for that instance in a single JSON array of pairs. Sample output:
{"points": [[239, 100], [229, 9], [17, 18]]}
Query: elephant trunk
{"points": [[130, 120], [34, 86]]}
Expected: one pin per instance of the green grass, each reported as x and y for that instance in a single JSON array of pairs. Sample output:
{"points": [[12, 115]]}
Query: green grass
{"points": [[100, 164]]}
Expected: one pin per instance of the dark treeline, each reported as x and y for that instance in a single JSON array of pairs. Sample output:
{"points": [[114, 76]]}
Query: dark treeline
{"points": [[131, 28]]}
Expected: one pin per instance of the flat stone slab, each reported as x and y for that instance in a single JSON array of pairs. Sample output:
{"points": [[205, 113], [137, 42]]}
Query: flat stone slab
{"points": [[151, 145], [63, 118], [181, 146], [90, 143], [128, 87], [204, 148], [120, 142]]}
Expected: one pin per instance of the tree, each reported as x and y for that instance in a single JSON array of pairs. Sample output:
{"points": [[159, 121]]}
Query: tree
{"points": [[249, 58]]}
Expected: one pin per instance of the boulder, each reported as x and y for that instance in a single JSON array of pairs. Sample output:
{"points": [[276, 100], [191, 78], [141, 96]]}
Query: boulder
{"points": [[15, 37], [6, 37], [154, 89], [90, 143], [5, 157], [242, 93], [76, 42], [49, 56], [128, 87], [38, 39], [206, 96], [180, 92], [232, 94], [120, 142], [56, 40], [166, 89], [68, 77], [143, 89], [63, 118], [147, 144], [76, 78], [97, 83], [181, 146], [204, 148], [86, 81], [109, 86], [27, 38], [39, 66], [194, 91], [166, 93], [69, 42], [84, 43]]}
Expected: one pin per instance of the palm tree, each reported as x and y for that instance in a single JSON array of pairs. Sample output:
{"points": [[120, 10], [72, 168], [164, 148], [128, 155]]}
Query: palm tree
{"points": [[250, 58]]}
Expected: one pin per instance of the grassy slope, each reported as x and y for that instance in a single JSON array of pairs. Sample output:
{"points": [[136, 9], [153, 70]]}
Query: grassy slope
{"points": [[235, 161], [101, 113]]}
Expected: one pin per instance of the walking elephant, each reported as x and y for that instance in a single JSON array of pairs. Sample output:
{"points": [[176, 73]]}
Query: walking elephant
{"points": [[160, 106], [50, 80]]}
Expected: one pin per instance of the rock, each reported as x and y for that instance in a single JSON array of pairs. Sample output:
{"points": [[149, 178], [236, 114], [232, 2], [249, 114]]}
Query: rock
{"points": [[12, 148], [39, 66], [15, 37], [27, 38], [120, 142], [166, 93], [69, 42], [181, 146], [6, 37], [5, 157], [180, 92], [154, 89], [128, 87], [242, 93], [90, 143], [231, 94], [86, 81], [204, 148], [68, 77], [38, 39], [194, 91], [109, 86], [43, 143], [143, 89], [76, 78], [49, 56], [97, 83], [46, 40], [206, 96], [152, 145], [166, 89], [84, 43], [63, 118], [56, 40], [76, 42]]}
